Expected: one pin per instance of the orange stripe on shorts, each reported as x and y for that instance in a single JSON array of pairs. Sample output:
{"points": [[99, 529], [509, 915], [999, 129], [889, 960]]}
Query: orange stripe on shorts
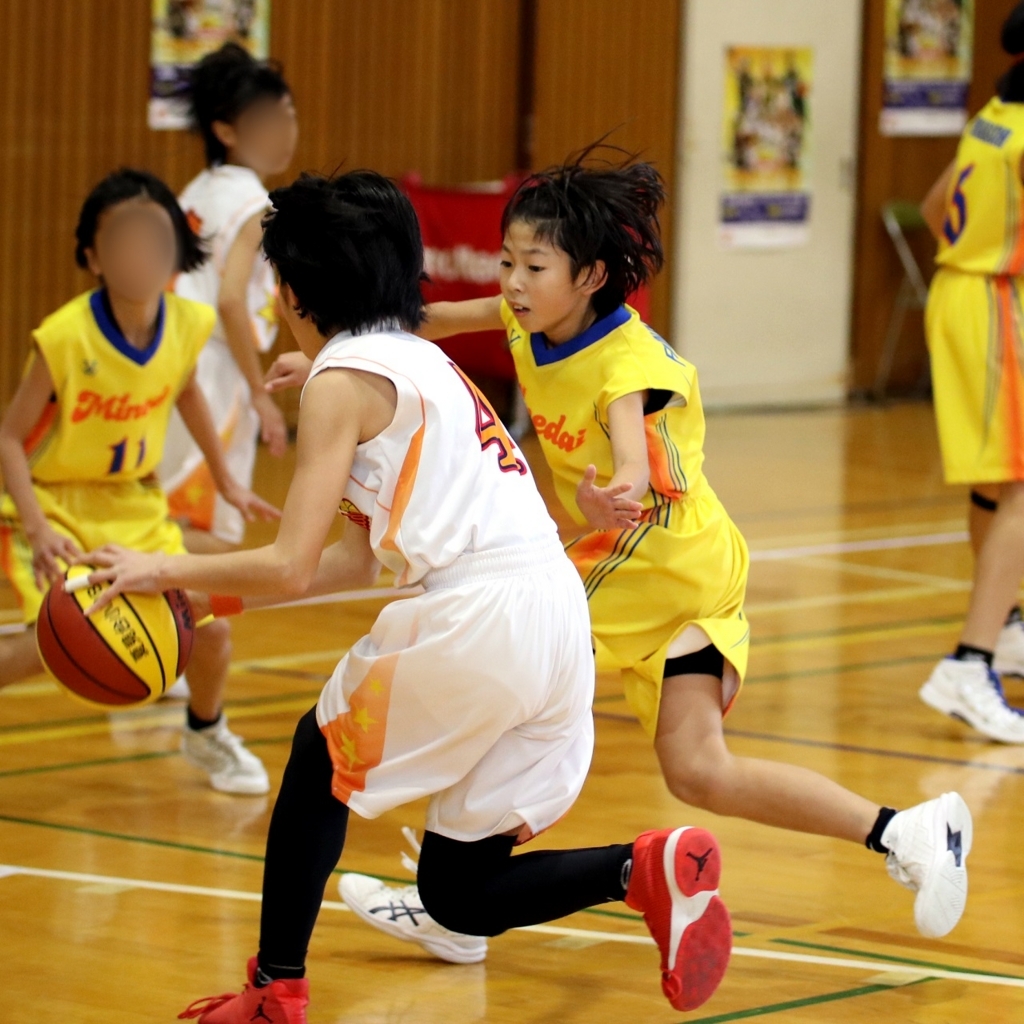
{"points": [[1012, 382]]}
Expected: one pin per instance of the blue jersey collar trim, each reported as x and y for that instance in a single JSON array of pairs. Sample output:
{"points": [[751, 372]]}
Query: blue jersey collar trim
{"points": [[105, 322], [543, 355]]}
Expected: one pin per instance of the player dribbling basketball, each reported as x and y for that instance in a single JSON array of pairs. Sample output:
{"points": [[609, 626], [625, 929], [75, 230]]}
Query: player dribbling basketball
{"points": [[477, 693]]}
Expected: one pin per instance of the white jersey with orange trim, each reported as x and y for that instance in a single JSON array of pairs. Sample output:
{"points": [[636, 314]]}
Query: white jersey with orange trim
{"points": [[218, 203], [444, 478]]}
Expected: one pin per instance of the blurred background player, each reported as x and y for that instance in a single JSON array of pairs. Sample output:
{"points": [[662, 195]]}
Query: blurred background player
{"points": [[243, 109], [975, 328], [80, 442]]}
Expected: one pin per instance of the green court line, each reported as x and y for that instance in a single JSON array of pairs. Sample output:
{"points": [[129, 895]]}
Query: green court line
{"points": [[797, 1004], [892, 959], [125, 759]]}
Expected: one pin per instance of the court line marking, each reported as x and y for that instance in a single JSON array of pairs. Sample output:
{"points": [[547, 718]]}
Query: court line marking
{"points": [[798, 1004], [1006, 980], [896, 542], [9, 625]]}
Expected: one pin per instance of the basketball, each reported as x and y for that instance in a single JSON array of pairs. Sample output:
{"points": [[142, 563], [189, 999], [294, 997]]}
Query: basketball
{"points": [[128, 653]]}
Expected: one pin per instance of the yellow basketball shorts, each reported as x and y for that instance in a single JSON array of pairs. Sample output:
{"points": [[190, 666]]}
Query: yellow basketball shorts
{"points": [[975, 328], [685, 565], [131, 513]]}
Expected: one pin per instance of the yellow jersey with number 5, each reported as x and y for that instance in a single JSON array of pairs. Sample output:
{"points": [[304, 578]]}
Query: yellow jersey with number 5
{"points": [[111, 402], [983, 230]]}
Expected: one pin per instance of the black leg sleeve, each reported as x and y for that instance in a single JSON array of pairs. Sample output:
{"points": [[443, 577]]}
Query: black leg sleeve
{"points": [[481, 889], [307, 833]]}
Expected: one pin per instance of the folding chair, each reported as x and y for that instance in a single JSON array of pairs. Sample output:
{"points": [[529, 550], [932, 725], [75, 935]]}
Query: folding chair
{"points": [[899, 218]]}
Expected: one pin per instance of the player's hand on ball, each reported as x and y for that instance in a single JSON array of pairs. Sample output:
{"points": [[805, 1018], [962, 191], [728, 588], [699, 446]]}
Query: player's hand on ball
{"points": [[252, 506], [289, 370], [47, 547], [126, 572], [605, 508]]}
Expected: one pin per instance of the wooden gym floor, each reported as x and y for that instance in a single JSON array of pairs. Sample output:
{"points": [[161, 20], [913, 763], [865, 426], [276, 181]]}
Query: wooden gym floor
{"points": [[132, 886]]}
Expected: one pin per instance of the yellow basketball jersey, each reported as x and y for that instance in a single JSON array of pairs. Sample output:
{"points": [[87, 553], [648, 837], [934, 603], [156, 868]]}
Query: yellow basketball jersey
{"points": [[983, 231], [569, 387], [111, 403]]}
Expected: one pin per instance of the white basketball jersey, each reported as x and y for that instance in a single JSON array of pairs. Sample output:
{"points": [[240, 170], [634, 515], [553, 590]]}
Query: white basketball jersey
{"points": [[444, 478], [218, 202]]}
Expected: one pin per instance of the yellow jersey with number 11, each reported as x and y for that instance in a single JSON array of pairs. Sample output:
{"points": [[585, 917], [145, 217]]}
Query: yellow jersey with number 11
{"points": [[108, 415], [983, 231]]}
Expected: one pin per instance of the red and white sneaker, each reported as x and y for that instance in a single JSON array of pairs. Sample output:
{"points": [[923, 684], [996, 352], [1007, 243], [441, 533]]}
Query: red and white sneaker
{"points": [[280, 1002], [674, 884]]}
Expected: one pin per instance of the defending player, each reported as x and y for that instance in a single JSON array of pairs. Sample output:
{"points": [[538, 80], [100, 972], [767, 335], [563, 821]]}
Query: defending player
{"points": [[243, 109], [975, 325], [619, 418], [83, 435], [477, 693]]}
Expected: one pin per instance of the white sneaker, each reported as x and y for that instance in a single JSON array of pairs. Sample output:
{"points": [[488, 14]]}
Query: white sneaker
{"points": [[222, 755], [1009, 655], [971, 691], [928, 846], [400, 913], [178, 690]]}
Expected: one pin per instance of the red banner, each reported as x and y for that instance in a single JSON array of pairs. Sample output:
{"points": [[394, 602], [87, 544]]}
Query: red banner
{"points": [[461, 230]]}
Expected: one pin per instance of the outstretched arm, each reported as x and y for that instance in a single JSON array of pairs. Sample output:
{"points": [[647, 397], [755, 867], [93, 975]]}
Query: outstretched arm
{"points": [[617, 506], [196, 413], [443, 319], [332, 416], [233, 309], [22, 415]]}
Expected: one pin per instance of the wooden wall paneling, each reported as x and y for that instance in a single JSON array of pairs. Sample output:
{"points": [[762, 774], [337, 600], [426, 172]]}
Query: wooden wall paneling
{"points": [[603, 65], [398, 85], [902, 168]]}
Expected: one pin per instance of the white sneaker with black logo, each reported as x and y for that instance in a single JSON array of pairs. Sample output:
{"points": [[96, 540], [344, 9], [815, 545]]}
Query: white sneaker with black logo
{"points": [[928, 847], [399, 912], [223, 756]]}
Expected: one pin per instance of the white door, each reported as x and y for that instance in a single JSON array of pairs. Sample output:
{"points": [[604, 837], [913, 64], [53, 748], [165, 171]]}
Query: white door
{"points": [[767, 326]]}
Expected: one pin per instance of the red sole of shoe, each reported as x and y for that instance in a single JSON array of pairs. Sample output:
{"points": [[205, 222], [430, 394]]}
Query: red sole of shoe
{"points": [[706, 944], [702, 959]]}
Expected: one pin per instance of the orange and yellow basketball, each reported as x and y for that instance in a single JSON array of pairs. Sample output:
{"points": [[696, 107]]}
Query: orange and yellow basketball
{"points": [[128, 653]]}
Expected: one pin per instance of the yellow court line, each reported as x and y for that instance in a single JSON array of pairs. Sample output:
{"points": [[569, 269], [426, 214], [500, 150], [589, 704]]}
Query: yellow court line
{"points": [[883, 532], [883, 572], [863, 636], [334, 654], [136, 723]]}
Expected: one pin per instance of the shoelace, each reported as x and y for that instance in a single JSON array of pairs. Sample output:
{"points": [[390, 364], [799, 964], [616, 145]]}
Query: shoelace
{"points": [[201, 1006]]}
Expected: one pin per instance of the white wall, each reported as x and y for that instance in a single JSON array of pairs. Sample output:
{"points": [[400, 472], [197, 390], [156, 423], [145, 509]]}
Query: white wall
{"points": [[767, 327]]}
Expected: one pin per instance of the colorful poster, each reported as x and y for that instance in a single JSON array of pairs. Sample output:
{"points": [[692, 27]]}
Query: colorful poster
{"points": [[927, 66], [183, 32], [766, 202]]}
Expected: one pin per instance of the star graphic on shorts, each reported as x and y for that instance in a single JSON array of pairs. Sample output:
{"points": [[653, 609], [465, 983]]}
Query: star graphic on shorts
{"points": [[348, 748], [376, 685], [363, 720], [954, 844], [269, 310]]}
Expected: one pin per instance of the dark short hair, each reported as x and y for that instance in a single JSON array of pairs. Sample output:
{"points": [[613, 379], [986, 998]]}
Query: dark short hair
{"points": [[1012, 35], [595, 210], [223, 85], [128, 183], [350, 249]]}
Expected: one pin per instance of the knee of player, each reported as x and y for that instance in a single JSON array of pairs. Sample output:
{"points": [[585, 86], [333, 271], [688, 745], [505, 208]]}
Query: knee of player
{"points": [[215, 636], [698, 775], [453, 904]]}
